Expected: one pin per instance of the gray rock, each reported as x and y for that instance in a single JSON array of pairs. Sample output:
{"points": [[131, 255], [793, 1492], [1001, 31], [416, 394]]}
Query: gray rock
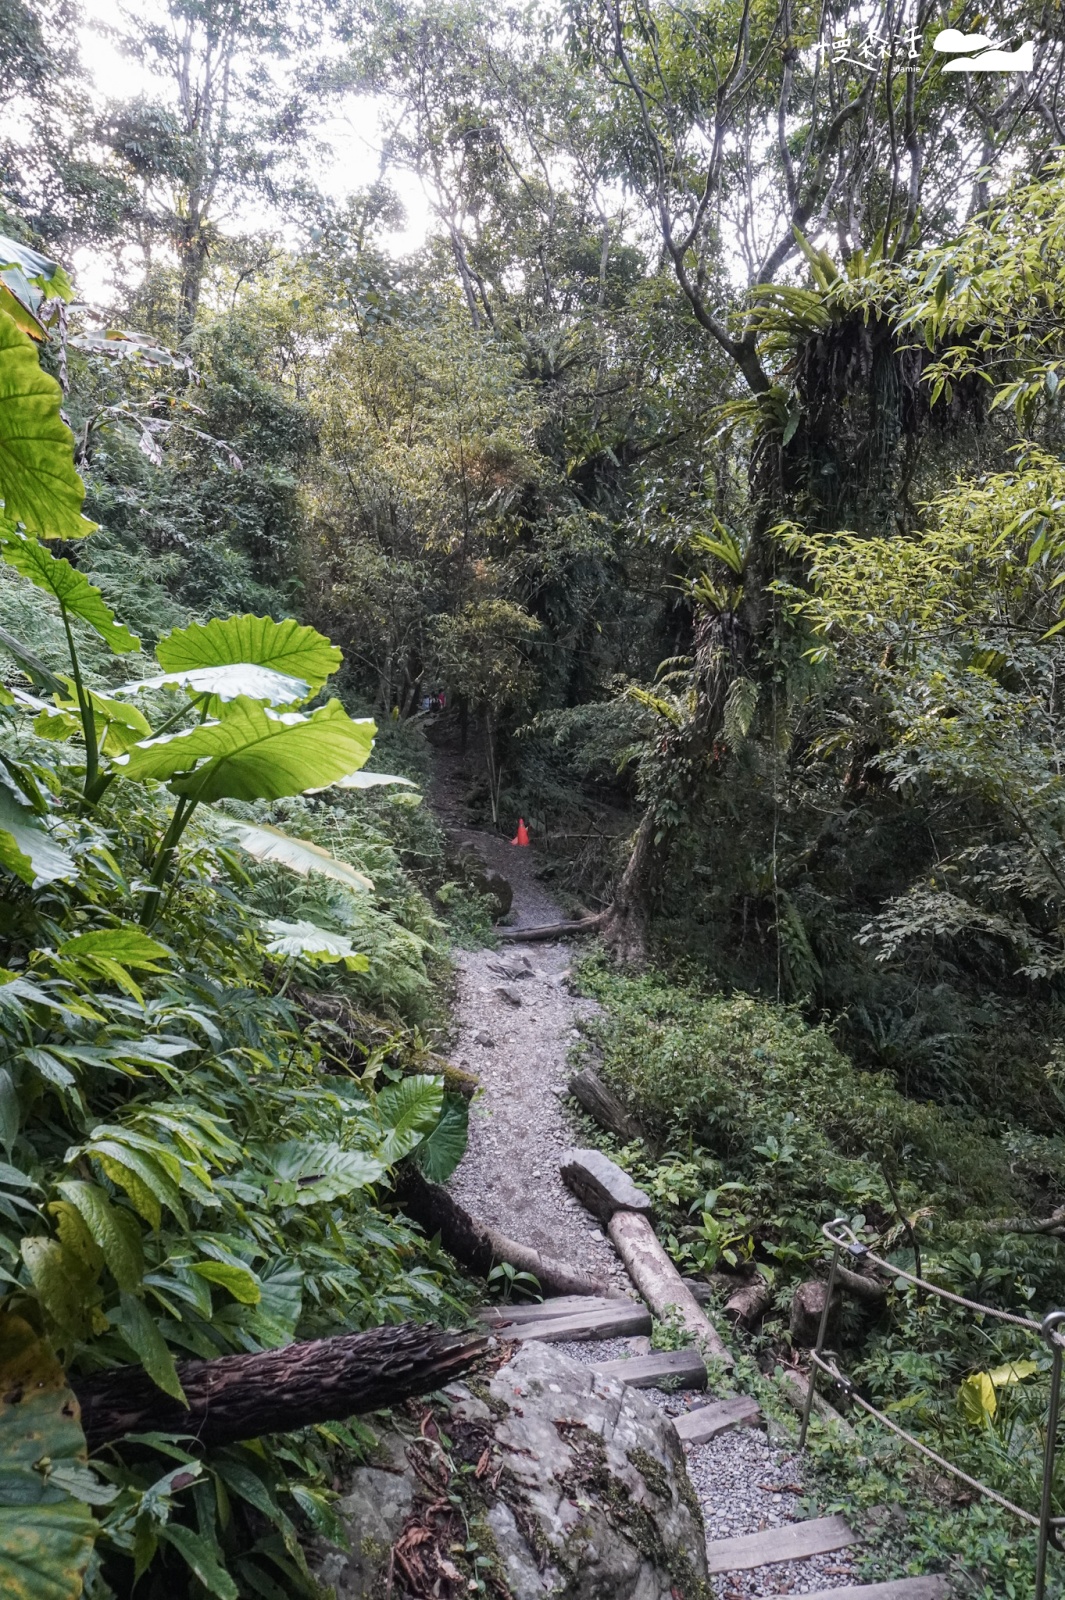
{"points": [[601, 1185], [520, 967], [585, 1496], [509, 996], [377, 1505]]}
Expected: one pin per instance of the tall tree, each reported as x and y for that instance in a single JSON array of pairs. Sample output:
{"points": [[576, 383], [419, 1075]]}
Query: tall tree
{"points": [[229, 129], [743, 132]]}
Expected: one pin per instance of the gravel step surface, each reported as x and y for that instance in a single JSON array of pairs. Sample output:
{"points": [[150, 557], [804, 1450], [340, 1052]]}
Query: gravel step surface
{"points": [[744, 1484]]}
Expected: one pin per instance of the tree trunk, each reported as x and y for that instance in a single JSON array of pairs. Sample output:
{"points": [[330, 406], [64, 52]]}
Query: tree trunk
{"points": [[602, 1105], [242, 1397], [624, 923], [479, 1247], [807, 1306], [749, 1303], [549, 930]]}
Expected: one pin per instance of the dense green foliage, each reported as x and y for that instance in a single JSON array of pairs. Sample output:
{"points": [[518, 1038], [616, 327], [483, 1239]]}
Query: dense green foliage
{"points": [[707, 455]]}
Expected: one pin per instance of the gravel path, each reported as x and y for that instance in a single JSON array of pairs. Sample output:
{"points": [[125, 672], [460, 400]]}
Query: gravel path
{"points": [[515, 1020], [744, 1484]]}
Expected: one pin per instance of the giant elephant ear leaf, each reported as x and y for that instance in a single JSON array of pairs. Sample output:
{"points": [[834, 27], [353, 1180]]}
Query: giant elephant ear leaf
{"points": [[46, 1534], [304, 1174], [254, 754], [226, 683], [287, 647], [27, 279], [38, 484], [76, 595], [409, 1109], [264, 843]]}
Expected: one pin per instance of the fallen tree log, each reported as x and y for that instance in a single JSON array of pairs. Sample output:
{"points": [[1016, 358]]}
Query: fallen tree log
{"points": [[272, 1391], [550, 930], [874, 1291], [749, 1302], [602, 1105], [661, 1285], [480, 1247]]}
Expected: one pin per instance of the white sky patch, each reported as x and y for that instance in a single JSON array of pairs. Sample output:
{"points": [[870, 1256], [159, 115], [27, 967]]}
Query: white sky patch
{"points": [[354, 131]]}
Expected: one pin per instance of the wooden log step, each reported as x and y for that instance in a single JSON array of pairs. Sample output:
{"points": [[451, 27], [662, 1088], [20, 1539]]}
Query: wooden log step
{"points": [[793, 1542], [681, 1369], [618, 1319], [661, 1284], [562, 1305], [932, 1588], [706, 1422]]}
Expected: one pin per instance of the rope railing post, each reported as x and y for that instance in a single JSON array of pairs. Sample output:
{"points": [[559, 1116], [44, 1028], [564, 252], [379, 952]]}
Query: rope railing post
{"points": [[821, 1332], [1048, 1527], [1051, 1323]]}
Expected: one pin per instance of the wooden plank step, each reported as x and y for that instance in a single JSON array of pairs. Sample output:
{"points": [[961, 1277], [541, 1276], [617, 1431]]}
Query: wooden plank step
{"points": [[563, 1305], [706, 1422], [683, 1369], [932, 1588], [618, 1319], [793, 1542]]}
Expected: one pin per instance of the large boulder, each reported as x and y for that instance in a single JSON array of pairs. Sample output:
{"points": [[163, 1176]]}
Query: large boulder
{"points": [[483, 880], [570, 1485]]}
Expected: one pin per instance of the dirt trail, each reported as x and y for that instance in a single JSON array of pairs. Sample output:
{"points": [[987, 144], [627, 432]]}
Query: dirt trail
{"points": [[509, 1177], [515, 1019]]}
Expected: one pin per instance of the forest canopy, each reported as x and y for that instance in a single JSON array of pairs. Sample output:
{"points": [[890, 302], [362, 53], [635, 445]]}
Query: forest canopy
{"points": [[663, 404]]}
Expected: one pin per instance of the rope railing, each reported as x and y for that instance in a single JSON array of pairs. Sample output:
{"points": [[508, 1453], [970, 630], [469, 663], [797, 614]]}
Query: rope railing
{"points": [[844, 1241]]}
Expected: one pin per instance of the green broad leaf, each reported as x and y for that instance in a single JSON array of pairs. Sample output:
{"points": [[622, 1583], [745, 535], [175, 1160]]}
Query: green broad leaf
{"points": [[409, 1110], [441, 1150], [365, 780], [129, 946], [226, 683], [306, 939], [10, 1111], [1012, 1372], [70, 587], [38, 484], [119, 726], [38, 672], [15, 307], [242, 1284], [32, 275], [140, 1331], [202, 1558], [287, 647], [264, 843], [46, 1534], [274, 1320], [113, 1230], [976, 1395], [58, 1288], [27, 849], [143, 1176], [252, 753], [305, 1174]]}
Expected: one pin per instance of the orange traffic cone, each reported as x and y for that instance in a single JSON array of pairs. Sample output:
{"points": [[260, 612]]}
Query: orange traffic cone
{"points": [[522, 835]]}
